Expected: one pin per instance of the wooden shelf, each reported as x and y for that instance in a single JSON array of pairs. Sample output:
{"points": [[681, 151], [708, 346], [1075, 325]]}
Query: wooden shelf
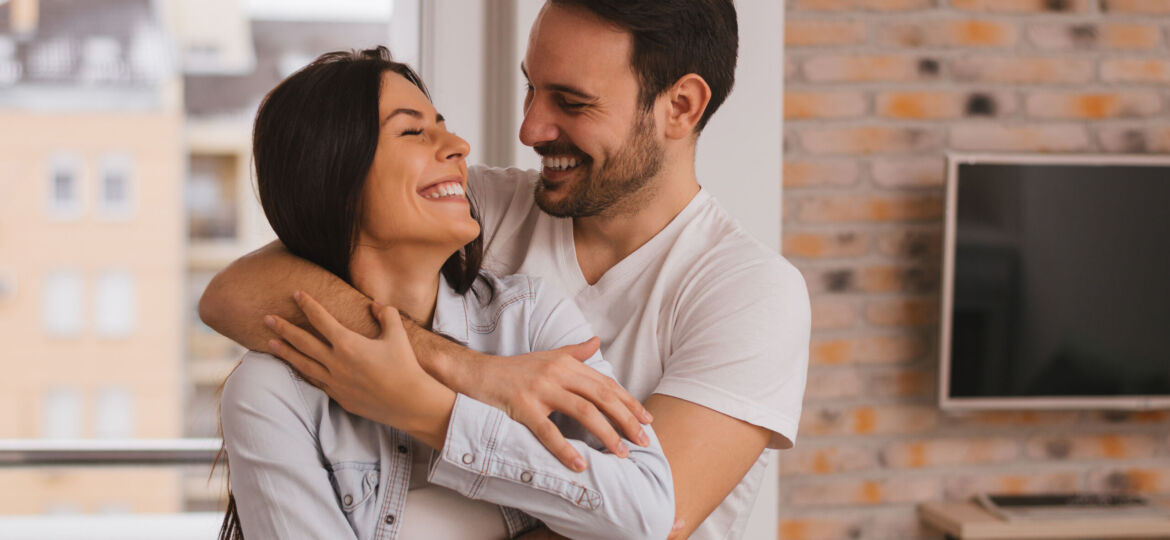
{"points": [[967, 520]]}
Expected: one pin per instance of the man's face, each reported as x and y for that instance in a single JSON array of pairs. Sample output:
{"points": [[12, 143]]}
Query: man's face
{"points": [[581, 114]]}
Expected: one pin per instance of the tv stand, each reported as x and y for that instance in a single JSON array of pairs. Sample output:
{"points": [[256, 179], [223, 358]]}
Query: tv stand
{"points": [[971, 521]]}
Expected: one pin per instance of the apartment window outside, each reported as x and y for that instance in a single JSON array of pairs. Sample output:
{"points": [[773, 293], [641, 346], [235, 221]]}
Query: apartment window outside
{"points": [[62, 414], [64, 187], [116, 190], [114, 413], [63, 291], [115, 310]]}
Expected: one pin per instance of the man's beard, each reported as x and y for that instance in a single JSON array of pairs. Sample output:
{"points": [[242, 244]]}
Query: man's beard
{"points": [[624, 174]]}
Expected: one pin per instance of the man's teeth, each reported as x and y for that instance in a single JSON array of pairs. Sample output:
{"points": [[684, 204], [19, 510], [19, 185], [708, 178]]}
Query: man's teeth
{"points": [[446, 189], [559, 163]]}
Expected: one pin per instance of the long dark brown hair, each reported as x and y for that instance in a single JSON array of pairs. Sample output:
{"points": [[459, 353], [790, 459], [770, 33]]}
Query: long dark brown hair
{"points": [[313, 143]]}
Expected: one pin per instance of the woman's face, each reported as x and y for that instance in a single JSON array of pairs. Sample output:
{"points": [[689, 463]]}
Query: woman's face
{"points": [[414, 192]]}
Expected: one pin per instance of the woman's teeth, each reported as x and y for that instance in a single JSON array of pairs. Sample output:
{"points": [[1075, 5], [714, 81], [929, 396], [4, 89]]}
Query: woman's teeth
{"points": [[446, 189], [559, 163]]}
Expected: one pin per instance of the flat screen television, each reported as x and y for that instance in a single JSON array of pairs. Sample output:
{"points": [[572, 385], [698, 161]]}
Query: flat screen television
{"points": [[1056, 282]]}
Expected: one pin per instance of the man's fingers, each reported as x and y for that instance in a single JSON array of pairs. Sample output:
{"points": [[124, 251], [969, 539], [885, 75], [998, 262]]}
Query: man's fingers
{"points": [[310, 369], [298, 337], [319, 317], [584, 350], [591, 418], [547, 433]]}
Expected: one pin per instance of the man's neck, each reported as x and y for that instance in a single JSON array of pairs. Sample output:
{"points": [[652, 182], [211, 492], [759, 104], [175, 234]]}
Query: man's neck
{"points": [[604, 240], [404, 277]]}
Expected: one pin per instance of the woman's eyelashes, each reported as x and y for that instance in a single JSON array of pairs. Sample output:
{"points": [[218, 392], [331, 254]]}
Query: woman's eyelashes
{"points": [[412, 132]]}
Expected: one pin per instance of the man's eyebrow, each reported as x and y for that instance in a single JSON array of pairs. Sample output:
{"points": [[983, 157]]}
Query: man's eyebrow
{"points": [[412, 113], [562, 88]]}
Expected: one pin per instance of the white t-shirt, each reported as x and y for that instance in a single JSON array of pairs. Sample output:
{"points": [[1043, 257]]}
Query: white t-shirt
{"points": [[701, 312]]}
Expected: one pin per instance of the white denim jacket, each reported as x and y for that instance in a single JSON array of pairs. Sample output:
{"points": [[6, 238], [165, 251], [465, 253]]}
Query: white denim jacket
{"points": [[302, 467]]}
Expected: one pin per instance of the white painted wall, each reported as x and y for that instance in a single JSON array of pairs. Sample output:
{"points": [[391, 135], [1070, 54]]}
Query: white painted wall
{"points": [[739, 153]]}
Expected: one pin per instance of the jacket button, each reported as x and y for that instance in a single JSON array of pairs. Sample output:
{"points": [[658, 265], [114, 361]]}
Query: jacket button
{"points": [[468, 458], [347, 500], [526, 477], [402, 449], [390, 519]]}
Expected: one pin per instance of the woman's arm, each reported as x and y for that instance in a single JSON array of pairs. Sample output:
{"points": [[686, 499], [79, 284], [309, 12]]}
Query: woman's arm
{"points": [[281, 487]]}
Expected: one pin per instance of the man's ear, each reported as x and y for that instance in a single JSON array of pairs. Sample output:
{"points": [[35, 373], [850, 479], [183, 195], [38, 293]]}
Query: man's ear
{"points": [[687, 99]]}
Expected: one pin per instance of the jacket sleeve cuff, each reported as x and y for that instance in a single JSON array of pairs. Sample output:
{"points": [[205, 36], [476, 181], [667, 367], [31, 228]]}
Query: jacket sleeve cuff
{"points": [[472, 437]]}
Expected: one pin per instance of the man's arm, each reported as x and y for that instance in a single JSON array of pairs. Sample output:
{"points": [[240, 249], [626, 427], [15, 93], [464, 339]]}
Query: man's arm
{"points": [[240, 298]]}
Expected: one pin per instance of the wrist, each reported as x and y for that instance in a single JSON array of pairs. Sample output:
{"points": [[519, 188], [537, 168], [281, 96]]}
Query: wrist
{"points": [[431, 415]]}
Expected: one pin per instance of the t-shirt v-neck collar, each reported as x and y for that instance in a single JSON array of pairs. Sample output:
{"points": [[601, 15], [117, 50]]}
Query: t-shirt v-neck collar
{"points": [[632, 263]]}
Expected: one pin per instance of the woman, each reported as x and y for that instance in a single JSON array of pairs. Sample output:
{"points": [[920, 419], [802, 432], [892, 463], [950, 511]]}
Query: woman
{"points": [[357, 173]]}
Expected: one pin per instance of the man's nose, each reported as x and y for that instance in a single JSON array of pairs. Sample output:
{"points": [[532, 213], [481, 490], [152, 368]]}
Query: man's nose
{"points": [[538, 125]]}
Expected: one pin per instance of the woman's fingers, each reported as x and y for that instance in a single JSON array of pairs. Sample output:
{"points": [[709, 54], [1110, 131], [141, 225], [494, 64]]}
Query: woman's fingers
{"points": [[320, 318], [390, 321], [550, 436], [593, 421], [310, 369], [298, 337], [612, 400]]}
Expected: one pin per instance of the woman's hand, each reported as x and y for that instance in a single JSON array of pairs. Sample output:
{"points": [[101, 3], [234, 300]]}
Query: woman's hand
{"points": [[379, 379]]}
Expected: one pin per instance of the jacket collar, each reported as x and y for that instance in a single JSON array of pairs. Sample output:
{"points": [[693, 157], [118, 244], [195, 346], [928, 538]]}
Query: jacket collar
{"points": [[450, 313]]}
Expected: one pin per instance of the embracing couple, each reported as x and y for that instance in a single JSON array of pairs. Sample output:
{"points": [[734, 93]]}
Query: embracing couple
{"points": [[424, 362]]}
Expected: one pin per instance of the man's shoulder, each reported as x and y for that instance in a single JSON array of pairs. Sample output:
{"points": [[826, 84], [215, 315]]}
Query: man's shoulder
{"points": [[485, 178]]}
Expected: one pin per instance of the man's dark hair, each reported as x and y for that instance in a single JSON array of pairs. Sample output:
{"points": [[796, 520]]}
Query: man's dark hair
{"points": [[672, 38]]}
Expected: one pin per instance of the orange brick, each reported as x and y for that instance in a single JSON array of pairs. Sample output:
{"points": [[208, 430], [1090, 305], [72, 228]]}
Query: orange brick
{"points": [[909, 171], [949, 33], [1135, 70], [863, 491], [1130, 417], [1135, 139], [1109, 446], [899, 382], [1150, 7], [851, 5], [902, 312], [875, 349], [1017, 138], [1047, 419], [921, 105], [912, 243], [1022, 70], [1117, 36], [1131, 36], [1089, 106], [807, 173], [870, 523], [848, 208], [814, 33], [899, 278], [826, 245], [946, 452], [862, 68], [868, 420], [1022, 6], [864, 140], [835, 459], [962, 486], [829, 315], [806, 105], [825, 384]]}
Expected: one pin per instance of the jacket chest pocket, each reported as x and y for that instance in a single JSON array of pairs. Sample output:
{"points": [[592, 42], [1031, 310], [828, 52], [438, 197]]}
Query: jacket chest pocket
{"points": [[356, 486]]}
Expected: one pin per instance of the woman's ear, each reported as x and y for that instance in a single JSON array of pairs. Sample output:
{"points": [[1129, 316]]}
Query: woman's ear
{"points": [[687, 99]]}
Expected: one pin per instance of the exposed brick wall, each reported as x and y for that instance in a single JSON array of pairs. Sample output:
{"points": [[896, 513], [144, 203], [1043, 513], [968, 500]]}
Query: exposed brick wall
{"points": [[876, 92]]}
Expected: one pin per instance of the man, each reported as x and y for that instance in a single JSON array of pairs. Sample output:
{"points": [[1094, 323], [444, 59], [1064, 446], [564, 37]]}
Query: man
{"points": [[704, 325]]}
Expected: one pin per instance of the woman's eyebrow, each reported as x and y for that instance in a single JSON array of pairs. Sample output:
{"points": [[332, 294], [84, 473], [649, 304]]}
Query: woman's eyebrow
{"points": [[413, 113]]}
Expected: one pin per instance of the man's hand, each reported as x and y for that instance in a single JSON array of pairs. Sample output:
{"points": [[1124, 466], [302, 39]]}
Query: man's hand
{"points": [[379, 379], [531, 386]]}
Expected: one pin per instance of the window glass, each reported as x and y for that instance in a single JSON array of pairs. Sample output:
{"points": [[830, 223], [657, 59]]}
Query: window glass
{"points": [[115, 311], [64, 186], [62, 414], [62, 303], [116, 197], [114, 413]]}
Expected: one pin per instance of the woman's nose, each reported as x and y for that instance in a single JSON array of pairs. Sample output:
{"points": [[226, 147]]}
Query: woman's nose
{"points": [[454, 147]]}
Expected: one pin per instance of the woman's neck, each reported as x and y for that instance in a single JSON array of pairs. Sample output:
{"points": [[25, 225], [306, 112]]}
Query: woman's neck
{"points": [[405, 277]]}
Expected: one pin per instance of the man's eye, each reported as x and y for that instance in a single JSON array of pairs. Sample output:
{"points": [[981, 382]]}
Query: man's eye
{"points": [[573, 106]]}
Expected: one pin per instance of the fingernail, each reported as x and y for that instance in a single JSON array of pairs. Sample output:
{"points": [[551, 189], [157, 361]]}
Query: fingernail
{"points": [[297, 296], [647, 416], [643, 438], [678, 524], [579, 464], [623, 450], [274, 344], [270, 321]]}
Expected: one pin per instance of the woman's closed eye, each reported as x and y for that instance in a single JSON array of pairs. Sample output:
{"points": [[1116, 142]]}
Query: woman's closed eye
{"points": [[412, 132]]}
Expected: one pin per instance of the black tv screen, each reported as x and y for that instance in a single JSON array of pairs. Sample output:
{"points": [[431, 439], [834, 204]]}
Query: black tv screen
{"points": [[1059, 282]]}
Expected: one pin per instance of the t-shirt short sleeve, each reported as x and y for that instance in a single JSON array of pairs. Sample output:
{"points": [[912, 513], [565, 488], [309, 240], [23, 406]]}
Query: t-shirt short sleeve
{"points": [[492, 192], [740, 346]]}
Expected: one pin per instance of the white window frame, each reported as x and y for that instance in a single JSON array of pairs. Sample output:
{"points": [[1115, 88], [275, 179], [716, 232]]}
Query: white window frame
{"points": [[109, 286], [73, 327]]}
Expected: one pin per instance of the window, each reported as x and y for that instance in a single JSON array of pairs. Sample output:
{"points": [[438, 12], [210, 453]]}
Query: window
{"points": [[115, 310], [115, 413], [62, 303], [61, 418], [64, 187], [116, 197]]}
